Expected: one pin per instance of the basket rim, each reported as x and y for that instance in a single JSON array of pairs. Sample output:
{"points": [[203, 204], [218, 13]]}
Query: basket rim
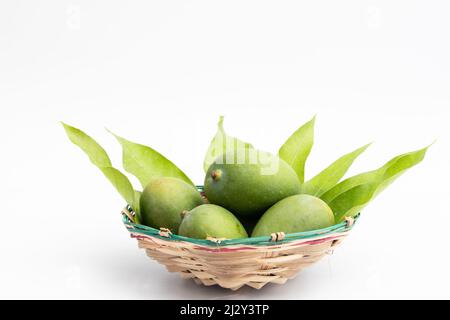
{"points": [[338, 228]]}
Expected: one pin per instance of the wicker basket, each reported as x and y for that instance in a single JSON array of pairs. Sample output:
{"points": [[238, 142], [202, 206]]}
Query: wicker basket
{"points": [[233, 264]]}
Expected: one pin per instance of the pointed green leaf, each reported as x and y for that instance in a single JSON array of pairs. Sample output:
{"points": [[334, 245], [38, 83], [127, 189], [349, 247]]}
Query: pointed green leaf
{"points": [[99, 158], [137, 196], [329, 177], [354, 193], [146, 163], [121, 183], [296, 149], [348, 184], [221, 144], [398, 165], [137, 208], [351, 202], [94, 151]]}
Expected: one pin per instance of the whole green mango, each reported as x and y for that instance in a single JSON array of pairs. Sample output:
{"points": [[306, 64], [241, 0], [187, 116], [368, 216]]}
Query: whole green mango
{"points": [[209, 220], [248, 184], [297, 213], [164, 199]]}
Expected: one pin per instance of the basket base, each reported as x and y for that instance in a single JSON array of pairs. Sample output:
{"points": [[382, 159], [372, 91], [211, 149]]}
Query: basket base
{"points": [[253, 266]]}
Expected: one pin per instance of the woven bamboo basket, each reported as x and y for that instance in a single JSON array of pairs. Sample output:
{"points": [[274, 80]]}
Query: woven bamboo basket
{"points": [[233, 264]]}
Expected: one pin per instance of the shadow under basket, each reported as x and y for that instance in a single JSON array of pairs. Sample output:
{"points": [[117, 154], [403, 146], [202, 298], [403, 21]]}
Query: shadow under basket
{"points": [[233, 264]]}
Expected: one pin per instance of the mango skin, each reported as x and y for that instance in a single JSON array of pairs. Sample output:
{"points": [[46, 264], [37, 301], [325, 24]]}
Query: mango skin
{"points": [[245, 190], [295, 214], [164, 199], [209, 220]]}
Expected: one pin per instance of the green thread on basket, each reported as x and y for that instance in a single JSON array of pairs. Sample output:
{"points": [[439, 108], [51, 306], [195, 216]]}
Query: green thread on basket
{"points": [[263, 241], [258, 241]]}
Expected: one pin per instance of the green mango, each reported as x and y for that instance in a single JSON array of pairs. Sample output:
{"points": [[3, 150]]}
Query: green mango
{"points": [[163, 200], [295, 214], [248, 184], [209, 220]]}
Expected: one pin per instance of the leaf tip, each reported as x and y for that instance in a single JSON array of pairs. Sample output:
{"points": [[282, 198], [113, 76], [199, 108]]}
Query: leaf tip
{"points": [[220, 123], [65, 125], [434, 141], [363, 148], [425, 149], [68, 128], [114, 135]]}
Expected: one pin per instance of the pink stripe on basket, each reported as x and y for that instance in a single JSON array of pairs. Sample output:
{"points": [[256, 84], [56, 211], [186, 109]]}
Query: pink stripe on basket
{"points": [[139, 237], [310, 242], [247, 248], [301, 243], [224, 249]]}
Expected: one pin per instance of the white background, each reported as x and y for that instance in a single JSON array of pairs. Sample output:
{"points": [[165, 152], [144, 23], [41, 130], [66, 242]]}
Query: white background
{"points": [[161, 73]]}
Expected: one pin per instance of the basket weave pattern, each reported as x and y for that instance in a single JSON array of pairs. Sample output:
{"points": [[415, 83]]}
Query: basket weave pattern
{"points": [[233, 264]]}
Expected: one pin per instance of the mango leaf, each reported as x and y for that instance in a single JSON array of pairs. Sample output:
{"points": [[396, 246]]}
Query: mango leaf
{"points": [[221, 144], [122, 184], [351, 202], [146, 163], [329, 177], [296, 149], [398, 165], [350, 183], [93, 150], [351, 195], [137, 208], [137, 196], [99, 158]]}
